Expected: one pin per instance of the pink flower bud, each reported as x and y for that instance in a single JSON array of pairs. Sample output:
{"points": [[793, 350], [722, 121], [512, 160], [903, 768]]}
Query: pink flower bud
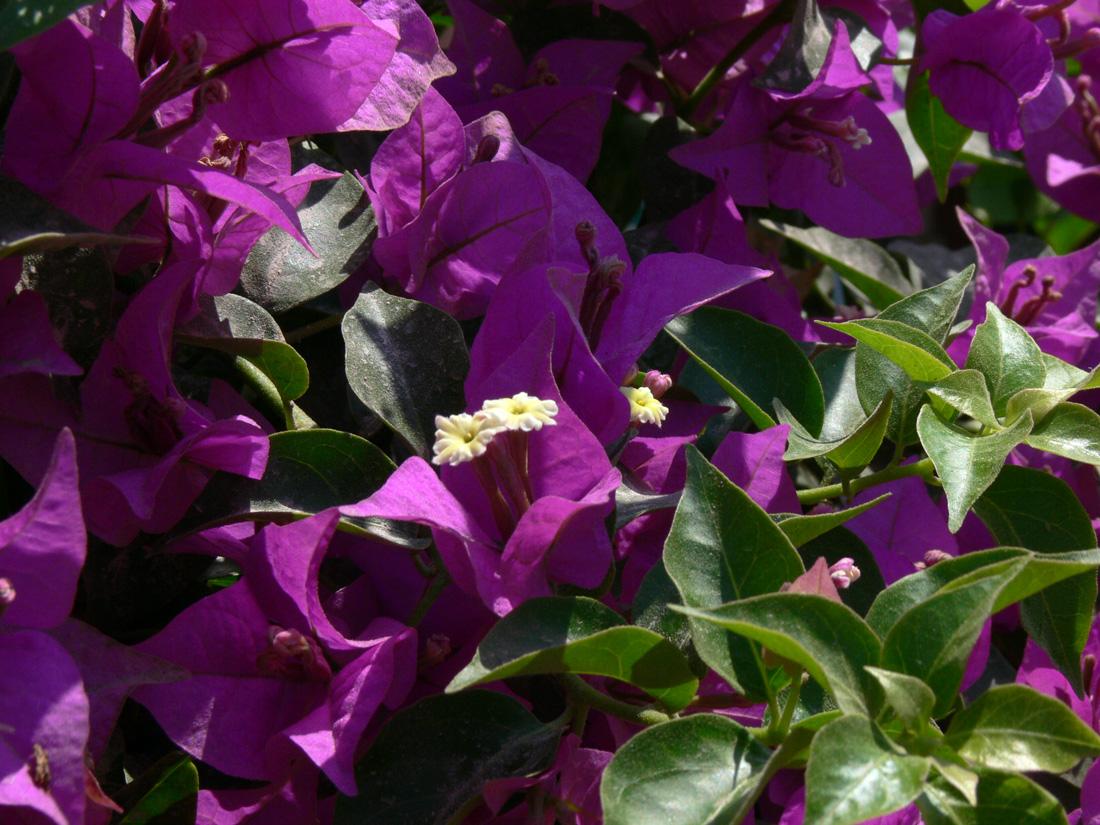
{"points": [[657, 382], [844, 572], [935, 556]]}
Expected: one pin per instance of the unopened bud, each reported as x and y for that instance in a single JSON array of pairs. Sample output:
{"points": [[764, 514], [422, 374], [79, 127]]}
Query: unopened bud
{"points": [[631, 374], [657, 382], [844, 572], [935, 557], [487, 149], [7, 595], [193, 46]]}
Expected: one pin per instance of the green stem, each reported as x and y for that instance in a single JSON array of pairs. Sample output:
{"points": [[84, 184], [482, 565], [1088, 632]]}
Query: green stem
{"points": [[923, 468], [300, 334], [779, 15], [435, 586], [792, 702], [582, 693]]}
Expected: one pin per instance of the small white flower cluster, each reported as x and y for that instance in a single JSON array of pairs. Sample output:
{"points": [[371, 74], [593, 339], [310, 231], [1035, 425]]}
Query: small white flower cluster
{"points": [[644, 406], [464, 437]]}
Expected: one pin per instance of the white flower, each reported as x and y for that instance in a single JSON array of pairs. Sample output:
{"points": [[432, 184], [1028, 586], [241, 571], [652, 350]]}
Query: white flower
{"points": [[522, 412], [644, 408], [463, 437]]}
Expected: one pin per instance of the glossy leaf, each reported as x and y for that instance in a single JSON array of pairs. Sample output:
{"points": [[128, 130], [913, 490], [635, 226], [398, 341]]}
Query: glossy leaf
{"points": [[1057, 618], [1003, 799], [907, 696], [723, 547], [336, 217], [579, 635], [938, 135], [966, 391], [932, 641], [700, 770], [931, 311], [433, 757], [406, 362], [853, 451], [856, 773], [914, 351], [862, 263], [828, 639], [1016, 728], [307, 471], [802, 54], [966, 463], [753, 362], [169, 793], [1007, 356], [836, 369], [801, 529], [1069, 429]]}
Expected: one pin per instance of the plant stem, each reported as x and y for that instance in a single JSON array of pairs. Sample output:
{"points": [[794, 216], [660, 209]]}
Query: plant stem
{"points": [[923, 468], [435, 586], [792, 702], [582, 693], [777, 16], [300, 334]]}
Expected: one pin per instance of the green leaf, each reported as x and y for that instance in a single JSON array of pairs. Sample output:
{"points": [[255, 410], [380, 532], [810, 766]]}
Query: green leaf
{"points": [[827, 638], [802, 53], [406, 362], [966, 463], [700, 770], [909, 697], [967, 392], [1058, 618], [307, 471], [931, 311], [338, 220], [723, 547], [753, 362], [234, 324], [30, 224], [579, 635], [20, 19], [938, 135], [1070, 430], [1007, 356], [914, 351], [801, 529], [631, 504], [864, 264], [1003, 799], [433, 757], [836, 369], [932, 641], [169, 793], [856, 773], [651, 611], [853, 451], [1016, 728]]}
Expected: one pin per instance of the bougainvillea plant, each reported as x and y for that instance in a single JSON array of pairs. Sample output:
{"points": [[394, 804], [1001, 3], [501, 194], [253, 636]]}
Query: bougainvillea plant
{"points": [[531, 411]]}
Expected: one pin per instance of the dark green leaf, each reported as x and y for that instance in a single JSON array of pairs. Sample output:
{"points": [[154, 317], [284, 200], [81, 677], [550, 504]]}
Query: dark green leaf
{"points": [[631, 504], [1007, 356], [1071, 430], [856, 773], [753, 362], [802, 53], [723, 547], [1016, 728], [336, 217], [406, 361], [651, 611], [836, 369], [580, 635], [932, 641], [939, 135], [1057, 618], [1003, 799], [307, 471], [862, 263], [966, 463], [30, 224], [801, 529], [169, 797], [827, 638], [700, 770], [909, 697], [433, 757]]}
